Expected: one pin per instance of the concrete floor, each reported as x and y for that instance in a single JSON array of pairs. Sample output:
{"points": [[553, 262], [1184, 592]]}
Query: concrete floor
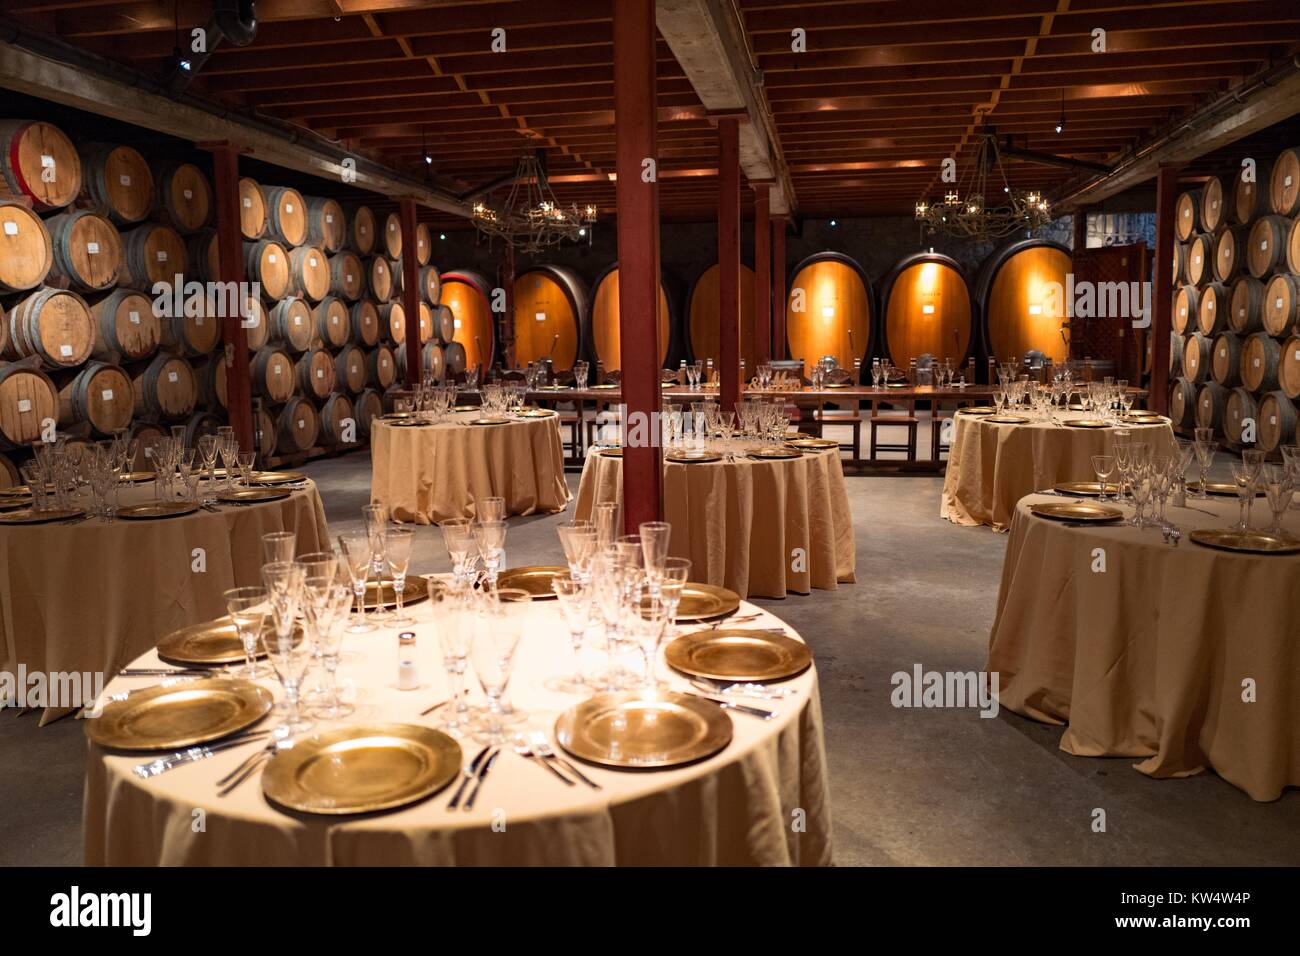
{"points": [[909, 787]]}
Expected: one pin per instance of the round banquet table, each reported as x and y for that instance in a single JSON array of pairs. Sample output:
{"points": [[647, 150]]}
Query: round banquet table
{"points": [[737, 807], [88, 597], [742, 522], [428, 473], [992, 466], [1148, 658]]}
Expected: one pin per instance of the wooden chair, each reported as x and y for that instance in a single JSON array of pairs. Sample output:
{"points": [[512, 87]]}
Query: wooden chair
{"points": [[845, 417], [906, 420]]}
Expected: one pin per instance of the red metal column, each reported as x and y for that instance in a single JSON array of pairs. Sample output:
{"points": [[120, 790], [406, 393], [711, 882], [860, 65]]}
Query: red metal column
{"points": [[1162, 305], [762, 272], [638, 255], [729, 259], [411, 293], [779, 350], [230, 263]]}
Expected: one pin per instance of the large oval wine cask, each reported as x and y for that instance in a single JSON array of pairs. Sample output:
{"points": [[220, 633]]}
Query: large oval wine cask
{"points": [[549, 304], [1268, 240], [423, 244], [272, 374], [26, 252], [1200, 258], [829, 311], [393, 235], [252, 209], [1261, 356], [1293, 246], [286, 215], [347, 276], [703, 313], [116, 182], [296, 426], [1186, 309], [39, 163], [334, 417], [1021, 294], [165, 389], [27, 398], [431, 285], [326, 225], [1284, 189], [927, 310], [1230, 253], [1214, 310], [1196, 357], [444, 325], [267, 264], [368, 405], [1176, 345], [53, 324], [350, 369], [1182, 403], [365, 323], [100, 395], [291, 325], [184, 196], [1187, 214], [601, 332], [1288, 374], [1281, 304], [1240, 407], [315, 372], [210, 373], [126, 327], [333, 322], [1247, 305], [152, 253], [1225, 365], [466, 294], [379, 277], [1250, 199], [362, 230], [1277, 420], [381, 367], [392, 319], [309, 273], [1211, 400], [1214, 206], [87, 250], [454, 359]]}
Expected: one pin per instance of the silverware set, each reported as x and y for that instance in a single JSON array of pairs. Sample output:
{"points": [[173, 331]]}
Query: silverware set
{"points": [[742, 689], [164, 672], [1171, 535], [739, 708], [472, 778], [194, 754], [250, 765]]}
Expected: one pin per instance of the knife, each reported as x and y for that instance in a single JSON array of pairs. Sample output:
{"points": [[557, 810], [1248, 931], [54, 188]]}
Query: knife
{"points": [[194, 754], [742, 708], [482, 775]]}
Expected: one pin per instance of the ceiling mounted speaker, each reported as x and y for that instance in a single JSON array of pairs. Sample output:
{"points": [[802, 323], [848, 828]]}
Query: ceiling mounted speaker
{"points": [[236, 19]]}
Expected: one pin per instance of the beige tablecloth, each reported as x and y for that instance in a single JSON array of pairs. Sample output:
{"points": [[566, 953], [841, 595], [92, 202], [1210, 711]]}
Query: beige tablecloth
{"points": [[760, 528], [739, 807], [1148, 658], [992, 466], [426, 474], [88, 597]]}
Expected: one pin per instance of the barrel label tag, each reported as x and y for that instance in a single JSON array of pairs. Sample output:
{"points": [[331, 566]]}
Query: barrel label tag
{"points": [[329, 218], [288, 207], [347, 277], [1286, 181], [24, 404], [65, 350], [11, 228], [133, 318], [301, 423], [312, 262], [92, 248], [124, 180], [1277, 303], [188, 193], [1256, 363], [171, 376], [49, 169], [162, 255], [1264, 244], [106, 395], [248, 203], [271, 258], [320, 373], [1272, 419]]}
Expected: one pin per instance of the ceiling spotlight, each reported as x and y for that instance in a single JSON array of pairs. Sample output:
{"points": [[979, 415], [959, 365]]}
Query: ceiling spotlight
{"points": [[582, 232], [442, 235], [428, 160], [833, 223]]}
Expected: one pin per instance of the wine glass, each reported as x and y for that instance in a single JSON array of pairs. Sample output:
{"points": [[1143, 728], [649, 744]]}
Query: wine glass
{"points": [[575, 610], [651, 623], [289, 658], [355, 551], [229, 449], [605, 516], [490, 509], [1104, 466], [578, 538], [278, 546], [654, 537], [490, 536], [1243, 477], [248, 608], [496, 639], [245, 465], [1278, 488], [454, 638], [1254, 460], [207, 449], [399, 558], [1291, 461], [376, 520], [458, 537], [1205, 446]]}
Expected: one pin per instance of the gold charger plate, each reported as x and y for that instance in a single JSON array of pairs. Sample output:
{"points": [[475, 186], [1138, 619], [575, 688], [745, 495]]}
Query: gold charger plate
{"points": [[1142, 421], [896, 385], [148, 510], [611, 452], [693, 457], [1223, 489], [1091, 488], [254, 494], [1251, 542], [537, 413], [277, 477], [213, 643], [1086, 423], [10, 503], [1007, 420], [409, 423], [643, 730], [466, 408], [839, 385], [488, 421], [738, 655], [812, 443], [383, 594], [703, 601], [362, 769], [1075, 511], [536, 580], [605, 386], [1076, 407], [774, 454], [977, 410], [395, 416], [137, 477], [12, 490], [27, 516], [181, 715]]}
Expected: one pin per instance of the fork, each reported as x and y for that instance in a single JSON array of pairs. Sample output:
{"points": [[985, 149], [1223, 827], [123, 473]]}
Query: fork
{"points": [[542, 746], [523, 750], [241, 773], [467, 774], [743, 689]]}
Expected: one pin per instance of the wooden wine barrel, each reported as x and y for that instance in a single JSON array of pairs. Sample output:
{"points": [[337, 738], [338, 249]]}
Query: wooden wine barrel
{"points": [[398, 272], [347, 276], [257, 326], [392, 319], [435, 361], [1214, 310], [146, 435], [290, 324], [393, 235], [54, 325], [381, 367], [430, 285], [210, 373], [444, 325], [1211, 401], [362, 230], [1288, 373], [116, 182], [365, 323], [1268, 241], [200, 424], [1293, 246], [454, 359], [27, 399], [252, 209], [286, 215], [1281, 311], [333, 322], [309, 273], [368, 405], [1261, 356], [830, 296], [1225, 365], [152, 253], [1196, 357], [550, 302], [423, 245], [467, 293], [1246, 304], [87, 250], [10, 476], [379, 276], [39, 163], [202, 251], [264, 432], [1230, 247], [1021, 291], [1187, 214], [1176, 345], [315, 373], [1240, 408], [1182, 403], [327, 226], [184, 196], [703, 311], [1180, 263], [267, 263], [165, 389], [100, 395], [1214, 207], [272, 374], [126, 327], [426, 323], [334, 416], [296, 426], [1250, 199], [1284, 184], [1186, 309], [350, 369], [1200, 258], [26, 252], [1277, 420], [189, 335]]}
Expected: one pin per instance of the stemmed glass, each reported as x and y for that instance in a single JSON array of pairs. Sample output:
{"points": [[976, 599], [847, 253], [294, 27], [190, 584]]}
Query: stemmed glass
{"points": [[1253, 460], [376, 519], [1291, 462], [605, 516], [245, 465], [454, 637], [1278, 487], [490, 536], [1183, 455], [496, 639], [1104, 467], [317, 565], [1159, 470], [1205, 446], [458, 536], [654, 537], [284, 585], [229, 448], [580, 370], [278, 546], [1243, 476], [207, 449], [676, 572], [248, 608], [355, 550], [1121, 450], [399, 559], [578, 538], [575, 609], [650, 621]]}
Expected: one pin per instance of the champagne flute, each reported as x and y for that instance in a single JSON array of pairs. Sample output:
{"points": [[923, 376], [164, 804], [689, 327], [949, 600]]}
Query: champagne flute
{"points": [[248, 608], [454, 637], [207, 449], [490, 536], [398, 548], [1253, 458], [289, 658], [355, 551], [376, 519], [1278, 487], [654, 537], [1205, 446], [496, 639], [575, 610], [1243, 478], [458, 537]]}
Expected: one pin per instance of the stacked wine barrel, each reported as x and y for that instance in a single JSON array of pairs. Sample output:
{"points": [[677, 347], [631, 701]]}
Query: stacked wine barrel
{"points": [[1236, 307]]}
